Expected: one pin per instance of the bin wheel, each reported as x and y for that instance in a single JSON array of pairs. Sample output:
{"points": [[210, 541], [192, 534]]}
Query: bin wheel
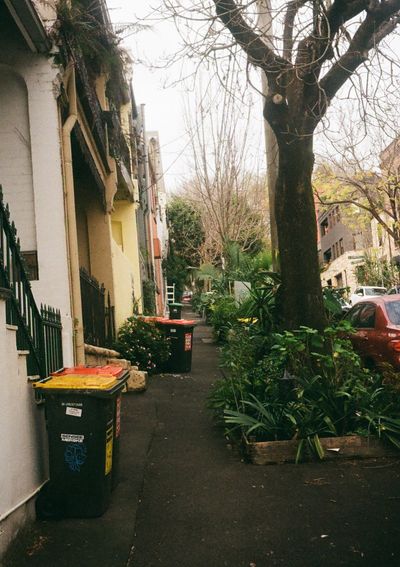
{"points": [[49, 505]]}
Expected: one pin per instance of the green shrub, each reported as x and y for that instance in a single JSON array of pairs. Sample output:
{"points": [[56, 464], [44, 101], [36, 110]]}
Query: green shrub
{"points": [[261, 302], [240, 355], [149, 301], [143, 344], [307, 386], [197, 302], [223, 315]]}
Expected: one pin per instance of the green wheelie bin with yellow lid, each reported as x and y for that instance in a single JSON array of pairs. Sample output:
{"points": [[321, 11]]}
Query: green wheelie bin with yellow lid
{"points": [[81, 423]]}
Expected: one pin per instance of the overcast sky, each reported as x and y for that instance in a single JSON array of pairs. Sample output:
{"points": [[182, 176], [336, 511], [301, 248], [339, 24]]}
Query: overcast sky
{"points": [[164, 105]]}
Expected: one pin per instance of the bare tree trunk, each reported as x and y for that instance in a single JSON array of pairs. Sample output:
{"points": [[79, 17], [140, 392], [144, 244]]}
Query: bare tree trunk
{"points": [[297, 235], [271, 145], [272, 151]]}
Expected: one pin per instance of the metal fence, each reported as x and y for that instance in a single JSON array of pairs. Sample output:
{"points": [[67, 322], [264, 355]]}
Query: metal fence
{"points": [[52, 331], [98, 317], [21, 308]]}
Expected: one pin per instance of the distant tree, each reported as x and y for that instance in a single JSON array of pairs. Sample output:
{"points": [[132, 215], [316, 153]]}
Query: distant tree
{"points": [[365, 193], [176, 271], [186, 237], [378, 272], [185, 230], [232, 201], [332, 188]]}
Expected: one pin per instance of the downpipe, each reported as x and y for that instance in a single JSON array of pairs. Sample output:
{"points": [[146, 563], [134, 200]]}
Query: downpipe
{"points": [[69, 201]]}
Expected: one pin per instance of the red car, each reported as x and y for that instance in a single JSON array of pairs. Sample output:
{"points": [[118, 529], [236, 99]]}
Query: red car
{"points": [[377, 324]]}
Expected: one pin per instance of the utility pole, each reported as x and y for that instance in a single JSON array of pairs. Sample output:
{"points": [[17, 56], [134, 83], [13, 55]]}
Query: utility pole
{"points": [[271, 145]]}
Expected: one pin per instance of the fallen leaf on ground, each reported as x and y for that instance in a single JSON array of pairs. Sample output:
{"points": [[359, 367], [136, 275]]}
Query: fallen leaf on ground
{"points": [[37, 546], [317, 481]]}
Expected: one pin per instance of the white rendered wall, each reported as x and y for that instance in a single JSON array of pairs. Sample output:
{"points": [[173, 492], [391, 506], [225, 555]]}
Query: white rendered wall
{"points": [[23, 444], [41, 81], [15, 156]]}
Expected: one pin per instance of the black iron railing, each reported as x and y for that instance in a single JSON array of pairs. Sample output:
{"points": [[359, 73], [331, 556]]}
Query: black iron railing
{"points": [[110, 322], [21, 308], [98, 317], [52, 330]]}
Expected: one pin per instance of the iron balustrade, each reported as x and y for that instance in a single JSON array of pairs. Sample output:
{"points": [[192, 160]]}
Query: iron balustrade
{"points": [[33, 335], [52, 330], [98, 316]]}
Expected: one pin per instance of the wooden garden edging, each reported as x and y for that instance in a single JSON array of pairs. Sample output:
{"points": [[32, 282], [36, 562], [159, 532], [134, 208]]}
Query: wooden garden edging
{"points": [[351, 447]]}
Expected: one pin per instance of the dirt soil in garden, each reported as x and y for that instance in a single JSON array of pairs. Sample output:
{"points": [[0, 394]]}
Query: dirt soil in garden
{"points": [[186, 500]]}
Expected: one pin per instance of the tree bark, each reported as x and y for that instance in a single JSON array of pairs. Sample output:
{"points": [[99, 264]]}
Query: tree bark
{"points": [[297, 235]]}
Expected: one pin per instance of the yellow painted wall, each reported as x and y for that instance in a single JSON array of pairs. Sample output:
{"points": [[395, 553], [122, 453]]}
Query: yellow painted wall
{"points": [[100, 240], [124, 285], [126, 266]]}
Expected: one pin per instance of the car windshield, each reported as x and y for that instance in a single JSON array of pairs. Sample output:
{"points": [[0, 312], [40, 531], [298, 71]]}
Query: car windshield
{"points": [[375, 291], [393, 311]]}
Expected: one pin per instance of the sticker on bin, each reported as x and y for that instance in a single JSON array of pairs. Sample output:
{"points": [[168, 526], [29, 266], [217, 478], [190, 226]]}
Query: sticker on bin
{"points": [[72, 438], [188, 341], [118, 417], [75, 455], [75, 412], [109, 448]]}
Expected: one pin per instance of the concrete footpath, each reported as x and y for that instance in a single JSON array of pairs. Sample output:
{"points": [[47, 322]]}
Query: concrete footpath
{"points": [[185, 500]]}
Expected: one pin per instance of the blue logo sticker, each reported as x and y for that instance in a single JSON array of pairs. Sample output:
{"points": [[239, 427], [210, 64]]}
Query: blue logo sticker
{"points": [[75, 456]]}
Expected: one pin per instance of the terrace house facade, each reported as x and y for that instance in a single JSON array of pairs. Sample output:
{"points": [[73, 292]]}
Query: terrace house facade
{"points": [[69, 210]]}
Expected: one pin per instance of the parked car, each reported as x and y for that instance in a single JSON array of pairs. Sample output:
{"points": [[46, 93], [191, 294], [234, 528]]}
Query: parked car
{"points": [[376, 321], [345, 305], [394, 290], [366, 291]]}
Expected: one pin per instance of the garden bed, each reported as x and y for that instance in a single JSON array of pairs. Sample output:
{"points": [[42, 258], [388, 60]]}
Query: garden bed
{"points": [[350, 447]]}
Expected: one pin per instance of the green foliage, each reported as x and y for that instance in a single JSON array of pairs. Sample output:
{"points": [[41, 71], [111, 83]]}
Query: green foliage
{"points": [[260, 304], [185, 230], [197, 301], [143, 344], [332, 187], [303, 385], [186, 237], [223, 315], [376, 272], [244, 266], [149, 300], [333, 302], [240, 356], [81, 22], [175, 269]]}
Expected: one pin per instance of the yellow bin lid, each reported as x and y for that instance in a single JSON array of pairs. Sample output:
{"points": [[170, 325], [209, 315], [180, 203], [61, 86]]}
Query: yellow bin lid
{"points": [[78, 382]]}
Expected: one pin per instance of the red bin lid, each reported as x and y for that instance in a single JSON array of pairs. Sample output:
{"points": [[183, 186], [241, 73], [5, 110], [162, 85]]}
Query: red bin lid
{"points": [[182, 322], [106, 370]]}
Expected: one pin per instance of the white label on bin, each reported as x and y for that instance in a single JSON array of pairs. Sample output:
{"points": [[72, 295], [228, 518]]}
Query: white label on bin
{"points": [[72, 438], [76, 412], [172, 330]]}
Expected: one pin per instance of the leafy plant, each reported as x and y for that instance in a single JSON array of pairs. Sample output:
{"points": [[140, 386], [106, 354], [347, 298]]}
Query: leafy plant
{"points": [[305, 386], [149, 301], [223, 316], [143, 344], [260, 304], [81, 22], [377, 272], [333, 302]]}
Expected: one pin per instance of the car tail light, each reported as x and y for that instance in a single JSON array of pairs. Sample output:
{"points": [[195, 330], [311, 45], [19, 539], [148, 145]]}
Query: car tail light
{"points": [[395, 345]]}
